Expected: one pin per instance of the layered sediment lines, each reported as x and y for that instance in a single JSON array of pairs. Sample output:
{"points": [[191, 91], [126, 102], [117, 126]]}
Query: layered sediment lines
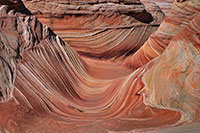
{"points": [[51, 81], [47, 86], [100, 29], [178, 70], [176, 20]]}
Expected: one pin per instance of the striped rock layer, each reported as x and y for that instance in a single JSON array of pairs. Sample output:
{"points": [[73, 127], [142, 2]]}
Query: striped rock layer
{"points": [[178, 73], [46, 86], [100, 28], [176, 20]]}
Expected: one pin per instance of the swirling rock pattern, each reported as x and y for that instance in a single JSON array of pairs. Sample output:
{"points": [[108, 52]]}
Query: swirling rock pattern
{"points": [[101, 29], [178, 68], [176, 20], [46, 86]]}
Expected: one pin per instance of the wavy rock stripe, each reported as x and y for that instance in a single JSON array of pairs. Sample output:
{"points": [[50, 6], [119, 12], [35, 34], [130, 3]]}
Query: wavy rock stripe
{"points": [[173, 81], [109, 43], [72, 96], [53, 86], [176, 20], [165, 5], [100, 29]]}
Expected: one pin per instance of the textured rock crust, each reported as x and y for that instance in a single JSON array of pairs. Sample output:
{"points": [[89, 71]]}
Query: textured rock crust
{"points": [[46, 86]]}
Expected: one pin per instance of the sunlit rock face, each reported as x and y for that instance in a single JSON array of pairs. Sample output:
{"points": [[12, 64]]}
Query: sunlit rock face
{"points": [[48, 85], [102, 29]]}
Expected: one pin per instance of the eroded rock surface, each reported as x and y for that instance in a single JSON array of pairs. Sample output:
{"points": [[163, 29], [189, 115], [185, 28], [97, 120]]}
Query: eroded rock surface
{"points": [[100, 29], [47, 86], [176, 20], [178, 68]]}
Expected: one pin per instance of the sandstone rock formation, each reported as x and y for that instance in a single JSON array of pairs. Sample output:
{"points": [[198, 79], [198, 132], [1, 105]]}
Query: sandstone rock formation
{"points": [[165, 5], [47, 86], [101, 28], [178, 68], [176, 20]]}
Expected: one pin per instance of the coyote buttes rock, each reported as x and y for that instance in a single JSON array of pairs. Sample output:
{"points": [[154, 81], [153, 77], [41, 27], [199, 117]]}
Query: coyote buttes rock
{"points": [[175, 21], [46, 86], [101, 28]]}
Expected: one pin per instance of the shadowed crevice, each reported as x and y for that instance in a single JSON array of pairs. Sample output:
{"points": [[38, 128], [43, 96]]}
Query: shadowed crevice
{"points": [[143, 17]]}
